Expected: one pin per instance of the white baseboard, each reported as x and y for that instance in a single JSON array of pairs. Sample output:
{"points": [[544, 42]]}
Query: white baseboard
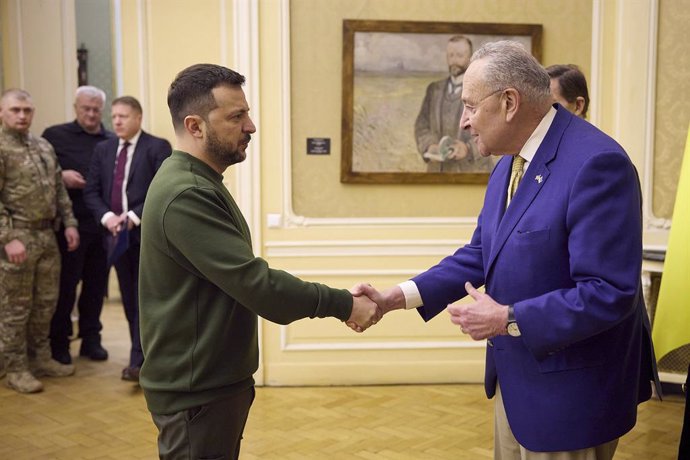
{"points": [[373, 373]]}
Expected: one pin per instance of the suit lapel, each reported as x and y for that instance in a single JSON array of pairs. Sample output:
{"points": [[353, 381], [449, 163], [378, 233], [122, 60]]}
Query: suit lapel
{"points": [[437, 102], [109, 165], [532, 182], [494, 214], [137, 157]]}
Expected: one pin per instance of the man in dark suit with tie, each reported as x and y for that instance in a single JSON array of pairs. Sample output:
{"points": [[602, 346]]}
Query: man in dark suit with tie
{"points": [[119, 176], [569, 354]]}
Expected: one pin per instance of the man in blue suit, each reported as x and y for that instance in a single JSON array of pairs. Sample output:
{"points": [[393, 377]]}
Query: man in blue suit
{"points": [[119, 176], [569, 355]]}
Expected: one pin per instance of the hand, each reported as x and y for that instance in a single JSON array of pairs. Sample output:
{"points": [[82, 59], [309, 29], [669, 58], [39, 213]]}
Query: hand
{"points": [[73, 179], [388, 300], [16, 251], [114, 223], [364, 314], [433, 154], [482, 319], [459, 151], [72, 237]]}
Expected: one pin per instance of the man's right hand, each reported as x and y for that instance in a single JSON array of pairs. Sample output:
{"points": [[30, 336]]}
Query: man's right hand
{"points": [[73, 179], [114, 223], [365, 313], [388, 300], [433, 154], [16, 252]]}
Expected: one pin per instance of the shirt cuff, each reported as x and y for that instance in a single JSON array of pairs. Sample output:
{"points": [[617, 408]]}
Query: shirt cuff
{"points": [[413, 299], [134, 218], [106, 216]]}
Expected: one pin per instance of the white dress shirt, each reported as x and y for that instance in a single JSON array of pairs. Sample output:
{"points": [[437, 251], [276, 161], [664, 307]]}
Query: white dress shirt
{"points": [[130, 154]]}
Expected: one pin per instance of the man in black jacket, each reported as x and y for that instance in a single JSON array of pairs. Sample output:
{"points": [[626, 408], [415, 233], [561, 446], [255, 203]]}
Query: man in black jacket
{"points": [[74, 143]]}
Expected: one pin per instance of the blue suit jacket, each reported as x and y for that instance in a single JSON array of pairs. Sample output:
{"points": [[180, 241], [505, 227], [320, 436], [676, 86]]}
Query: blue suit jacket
{"points": [[567, 254], [148, 155]]}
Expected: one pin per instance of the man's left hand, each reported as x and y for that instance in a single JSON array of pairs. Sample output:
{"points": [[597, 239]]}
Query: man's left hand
{"points": [[484, 318], [114, 224], [460, 151]]}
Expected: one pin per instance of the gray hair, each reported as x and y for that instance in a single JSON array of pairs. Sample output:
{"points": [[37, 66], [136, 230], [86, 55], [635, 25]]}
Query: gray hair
{"points": [[90, 91], [510, 65]]}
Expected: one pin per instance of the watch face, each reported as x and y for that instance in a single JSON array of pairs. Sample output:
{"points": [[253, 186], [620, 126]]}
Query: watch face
{"points": [[513, 329]]}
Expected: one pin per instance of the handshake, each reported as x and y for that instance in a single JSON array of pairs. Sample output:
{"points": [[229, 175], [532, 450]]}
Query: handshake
{"points": [[369, 305], [480, 319]]}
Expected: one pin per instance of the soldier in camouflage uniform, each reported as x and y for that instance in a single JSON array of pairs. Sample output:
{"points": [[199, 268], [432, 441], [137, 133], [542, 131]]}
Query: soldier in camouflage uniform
{"points": [[32, 200]]}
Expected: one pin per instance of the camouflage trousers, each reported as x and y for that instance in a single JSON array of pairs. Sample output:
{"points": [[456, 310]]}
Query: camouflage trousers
{"points": [[28, 294]]}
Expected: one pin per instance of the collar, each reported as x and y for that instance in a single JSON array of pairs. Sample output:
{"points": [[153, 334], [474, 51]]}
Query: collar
{"points": [[76, 127], [132, 142], [455, 83], [530, 148], [199, 165], [16, 135]]}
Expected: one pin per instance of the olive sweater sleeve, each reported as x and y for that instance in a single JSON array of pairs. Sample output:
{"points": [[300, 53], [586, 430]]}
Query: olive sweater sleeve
{"points": [[217, 247]]}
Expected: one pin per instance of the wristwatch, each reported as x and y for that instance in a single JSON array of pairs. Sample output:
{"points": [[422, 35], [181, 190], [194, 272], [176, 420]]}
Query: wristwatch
{"points": [[512, 327]]}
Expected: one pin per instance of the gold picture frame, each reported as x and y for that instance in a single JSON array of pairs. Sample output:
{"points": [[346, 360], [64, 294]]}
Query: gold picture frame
{"points": [[386, 66]]}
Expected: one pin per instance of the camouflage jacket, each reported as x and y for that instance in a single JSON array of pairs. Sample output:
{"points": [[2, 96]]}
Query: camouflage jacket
{"points": [[31, 187]]}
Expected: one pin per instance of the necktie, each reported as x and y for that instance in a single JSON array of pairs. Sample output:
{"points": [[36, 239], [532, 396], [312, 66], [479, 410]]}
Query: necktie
{"points": [[515, 176], [453, 88], [118, 179]]}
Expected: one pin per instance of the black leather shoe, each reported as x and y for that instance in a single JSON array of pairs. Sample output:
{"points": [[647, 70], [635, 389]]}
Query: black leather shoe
{"points": [[130, 374], [62, 356], [95, 352]]}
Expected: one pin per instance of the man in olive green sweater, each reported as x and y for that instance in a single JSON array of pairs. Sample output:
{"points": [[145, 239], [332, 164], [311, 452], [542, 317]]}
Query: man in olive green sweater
{"points": [[201, 288]]}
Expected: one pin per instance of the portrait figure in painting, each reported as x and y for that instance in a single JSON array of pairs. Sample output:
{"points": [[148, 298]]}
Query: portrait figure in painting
{"points": [[402, 100], [440, 141]]}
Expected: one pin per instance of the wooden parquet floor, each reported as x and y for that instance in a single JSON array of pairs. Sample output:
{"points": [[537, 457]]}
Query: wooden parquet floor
{"points": [[95, 415]]}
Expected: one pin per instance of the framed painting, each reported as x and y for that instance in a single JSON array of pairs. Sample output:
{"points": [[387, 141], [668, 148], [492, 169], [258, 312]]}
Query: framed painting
{"points": [[402, 82]]}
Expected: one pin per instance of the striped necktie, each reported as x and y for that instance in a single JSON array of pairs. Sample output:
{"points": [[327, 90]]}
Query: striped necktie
{"points": [[515, 176], [118, 180]]}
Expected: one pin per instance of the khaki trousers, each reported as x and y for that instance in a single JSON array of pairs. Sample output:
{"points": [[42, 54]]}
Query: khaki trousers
{"points": [[506, 446]]}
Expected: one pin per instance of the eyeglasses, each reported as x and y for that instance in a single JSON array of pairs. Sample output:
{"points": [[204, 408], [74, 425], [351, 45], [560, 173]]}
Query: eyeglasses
{"points": [[471, 109]]}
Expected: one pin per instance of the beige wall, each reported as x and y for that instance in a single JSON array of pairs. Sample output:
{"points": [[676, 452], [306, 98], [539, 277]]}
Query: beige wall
{"points": [[160, 38], [36, 38], [304, 220], [316, 38], [672, 111]]}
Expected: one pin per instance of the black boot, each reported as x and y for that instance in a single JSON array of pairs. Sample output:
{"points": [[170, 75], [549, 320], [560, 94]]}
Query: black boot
{"points": [[60, 352], [92, 349]]}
